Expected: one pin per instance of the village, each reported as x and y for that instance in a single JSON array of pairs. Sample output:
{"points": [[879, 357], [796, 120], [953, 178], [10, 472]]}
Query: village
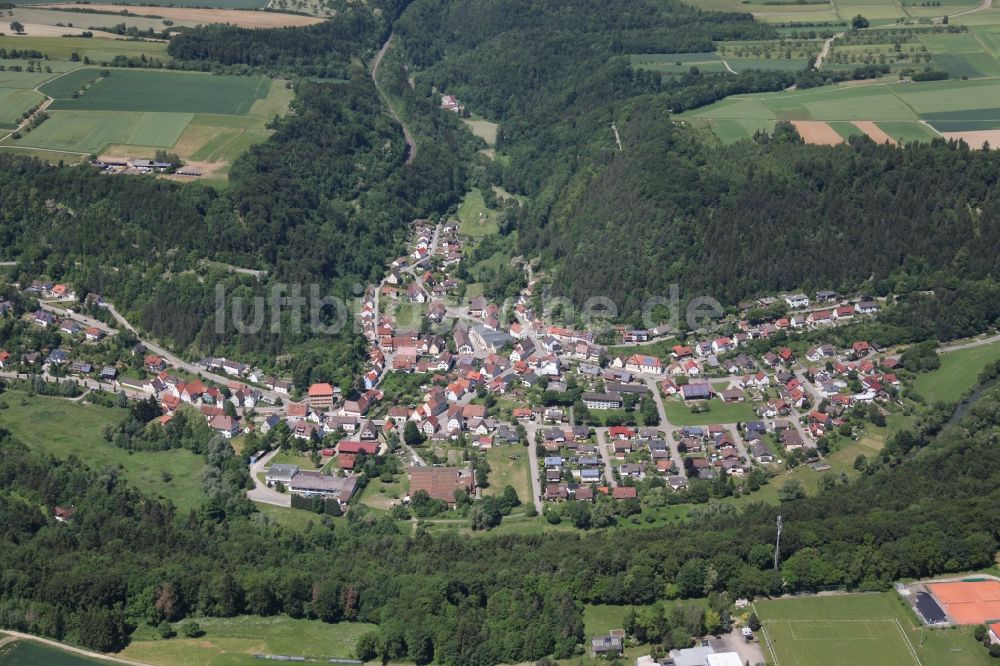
{"points": [[647, 421]]}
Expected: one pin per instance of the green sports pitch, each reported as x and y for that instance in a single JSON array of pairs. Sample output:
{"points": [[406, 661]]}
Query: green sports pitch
{"points": [[859, 630]]}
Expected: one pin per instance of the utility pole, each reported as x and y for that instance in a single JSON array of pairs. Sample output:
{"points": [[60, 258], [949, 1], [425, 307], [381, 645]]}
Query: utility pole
{"points": [[777, 546]]}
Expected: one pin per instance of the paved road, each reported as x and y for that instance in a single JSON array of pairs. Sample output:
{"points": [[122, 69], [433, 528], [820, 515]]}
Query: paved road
{"points": [[178, 362], [738, 441], [75, 650], [260, 492], [665, 426], [406, 130], [536, 484], [602, 446]]}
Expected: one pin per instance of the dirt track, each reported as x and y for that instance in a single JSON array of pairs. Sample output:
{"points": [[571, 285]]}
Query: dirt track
{"points": [[874, 132], [976, 138], [246, 19], [817, 132]]}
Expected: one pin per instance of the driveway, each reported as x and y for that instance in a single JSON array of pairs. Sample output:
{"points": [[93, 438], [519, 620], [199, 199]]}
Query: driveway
{"points": [[260, 492]]}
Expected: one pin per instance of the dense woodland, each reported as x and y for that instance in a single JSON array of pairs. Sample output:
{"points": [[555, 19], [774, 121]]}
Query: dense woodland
{"points": [[126, 560], [731, 222]]}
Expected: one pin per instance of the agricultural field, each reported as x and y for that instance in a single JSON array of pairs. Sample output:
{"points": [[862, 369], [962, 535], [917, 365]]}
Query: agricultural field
{"points": [[98, 50], [79, 431], [859, 629], [234, 641], [219, 4], [902, 111], [181, 15], [208, 120]]}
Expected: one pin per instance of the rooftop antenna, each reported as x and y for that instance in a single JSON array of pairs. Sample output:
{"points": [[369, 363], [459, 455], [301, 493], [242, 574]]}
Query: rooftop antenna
{"points": [[777, 546]]}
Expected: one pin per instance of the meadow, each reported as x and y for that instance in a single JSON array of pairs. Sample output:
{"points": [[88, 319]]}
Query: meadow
{"points": [[958, 373], [476, 220], [30, 653], [859, 629], [234, 641], [98, 50], [67, 428], [679, 414], [509, 467]]}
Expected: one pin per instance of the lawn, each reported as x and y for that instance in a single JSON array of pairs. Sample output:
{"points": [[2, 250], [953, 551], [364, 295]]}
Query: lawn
{"points": [[957, 374], [30, 653], [719, 412], [165, 92], [861, 630], [660, 348], [236, 640], [380, 495], [290, 457], [600, 619], [64, 428], [509, 467], [98, 50]]}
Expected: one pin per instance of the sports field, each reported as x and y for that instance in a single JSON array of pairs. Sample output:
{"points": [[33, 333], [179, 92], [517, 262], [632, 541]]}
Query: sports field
{"points": [[860, 630]]}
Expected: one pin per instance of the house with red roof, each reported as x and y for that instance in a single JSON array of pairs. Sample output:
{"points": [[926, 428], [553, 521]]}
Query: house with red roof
{"points": [[321, 396]]}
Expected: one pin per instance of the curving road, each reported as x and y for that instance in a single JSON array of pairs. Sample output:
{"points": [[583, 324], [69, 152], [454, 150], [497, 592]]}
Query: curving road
{"points": [[385, 99], [260, 492]]}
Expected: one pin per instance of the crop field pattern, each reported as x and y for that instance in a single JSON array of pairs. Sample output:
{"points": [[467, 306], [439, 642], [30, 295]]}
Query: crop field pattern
{"points": [[166, 92]]}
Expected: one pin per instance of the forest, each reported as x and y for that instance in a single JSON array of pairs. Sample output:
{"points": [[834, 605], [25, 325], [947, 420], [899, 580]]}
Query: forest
{"points": [[921, 509], [672, 207]]}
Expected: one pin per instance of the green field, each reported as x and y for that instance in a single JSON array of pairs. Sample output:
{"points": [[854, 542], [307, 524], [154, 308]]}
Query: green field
{"points": [[507, 472], [93, 131], [13, 103], [98, 50], [132, 113], [63, 87], [958, 373], [476, 220], [30, 653], [170, 92], [63, 428], [861, 630], [679, 413], [599, 619], [235, 641], [898, 108]]}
